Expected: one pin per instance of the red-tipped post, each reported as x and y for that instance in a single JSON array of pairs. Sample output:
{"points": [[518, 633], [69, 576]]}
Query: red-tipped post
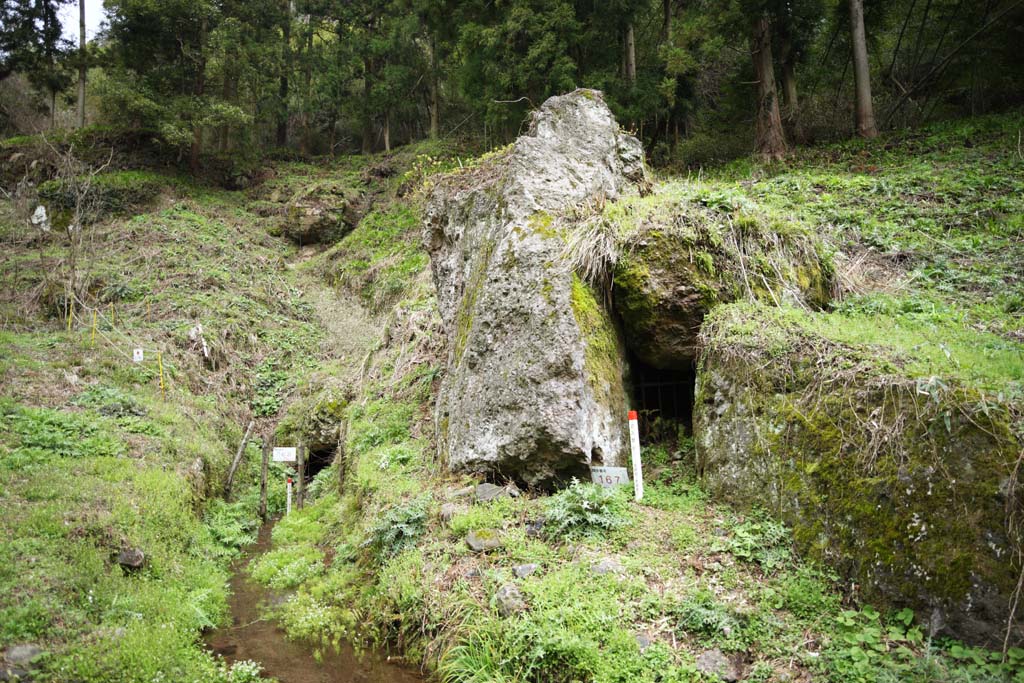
{"points": [[634, 447]]}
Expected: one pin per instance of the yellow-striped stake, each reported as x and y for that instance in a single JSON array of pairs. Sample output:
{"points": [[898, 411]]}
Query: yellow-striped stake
{"points": [[92, 342], [71, 313], [112, 318], [160, 362]]}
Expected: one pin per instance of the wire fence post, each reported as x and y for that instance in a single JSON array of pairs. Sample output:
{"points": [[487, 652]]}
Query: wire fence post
{"points": [[160, 362], [263, 479]]}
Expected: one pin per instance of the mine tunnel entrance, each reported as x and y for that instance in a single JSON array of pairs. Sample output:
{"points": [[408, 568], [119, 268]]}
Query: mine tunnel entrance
{"points": [[663, 398], [318, 458]]}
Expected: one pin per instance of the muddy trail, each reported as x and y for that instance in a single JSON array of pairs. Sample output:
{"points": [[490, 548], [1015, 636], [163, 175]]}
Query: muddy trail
{"points": [[254, 636]]}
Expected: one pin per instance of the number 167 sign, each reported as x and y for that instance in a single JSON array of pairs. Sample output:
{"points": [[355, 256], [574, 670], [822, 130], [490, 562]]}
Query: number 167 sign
{"points": [[609, 476]]}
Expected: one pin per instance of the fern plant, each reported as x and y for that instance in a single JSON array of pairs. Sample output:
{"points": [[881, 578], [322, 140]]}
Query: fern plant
{"points": [[399, 528], [585, 508]]}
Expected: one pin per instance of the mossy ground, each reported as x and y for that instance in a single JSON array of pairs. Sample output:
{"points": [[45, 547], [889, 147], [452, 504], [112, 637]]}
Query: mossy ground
{"points": [[95, 456], [872, 420]]}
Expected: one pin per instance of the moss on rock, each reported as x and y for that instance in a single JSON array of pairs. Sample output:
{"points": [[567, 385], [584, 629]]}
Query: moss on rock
{"points": [[904, 482], [687, 254], [603, 350]]}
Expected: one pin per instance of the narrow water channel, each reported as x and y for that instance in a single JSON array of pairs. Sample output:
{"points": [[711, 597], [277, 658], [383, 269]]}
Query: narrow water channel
{"points": [[252, 636]]}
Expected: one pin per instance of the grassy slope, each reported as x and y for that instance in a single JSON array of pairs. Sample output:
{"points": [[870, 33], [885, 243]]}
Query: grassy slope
{"points": [[82, 474], [378, 563], [933, 223], [94, 458]]}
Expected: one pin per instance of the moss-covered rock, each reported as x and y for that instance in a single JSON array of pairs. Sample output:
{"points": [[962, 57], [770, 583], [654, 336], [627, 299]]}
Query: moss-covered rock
{"points": [[686, 254], [113, 193], [905, 482]]}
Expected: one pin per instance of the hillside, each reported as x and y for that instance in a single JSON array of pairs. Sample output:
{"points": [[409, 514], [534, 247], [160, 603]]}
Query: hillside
{"points": [[308, 304]]}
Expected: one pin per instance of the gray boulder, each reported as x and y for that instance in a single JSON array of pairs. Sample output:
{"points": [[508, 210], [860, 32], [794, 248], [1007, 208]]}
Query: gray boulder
{"points": [[533, 388], [523, 570], [482, 540], [509, 600], [713, 663], [131, 559]]}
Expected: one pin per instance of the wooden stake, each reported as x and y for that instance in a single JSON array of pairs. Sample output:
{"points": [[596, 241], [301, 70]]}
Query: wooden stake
{"points": [[339, 456], [160, 362], [238, 459], [71, 313], [92, 342], [263, 480], [300, 454], [112, 318]]}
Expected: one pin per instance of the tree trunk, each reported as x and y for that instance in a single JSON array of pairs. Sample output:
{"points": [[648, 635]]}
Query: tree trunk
{"points": [[861, 71], [387, 132], [435, 114], [286, 67], [197, 129], [630, 55], [367, 119], [230, 94], [81, 63], [666, 21], [791, 103], [771, 141]]}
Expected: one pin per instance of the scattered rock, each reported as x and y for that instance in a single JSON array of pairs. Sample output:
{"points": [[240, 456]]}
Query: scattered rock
{"points": [[473, 573], [462, 493], [488, 492], [131, 559], [509, 600], [18, 662], [608, 565], [714, 663], [535, 528], [522, 333], [523, 570], [644, 641], [23, 654], [482, 540], [448, 510]]}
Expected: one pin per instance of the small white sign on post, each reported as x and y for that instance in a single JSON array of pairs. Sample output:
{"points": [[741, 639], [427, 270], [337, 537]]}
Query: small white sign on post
{"points": [[634, 446], [138, 355], [284, 454], [609, 476]]}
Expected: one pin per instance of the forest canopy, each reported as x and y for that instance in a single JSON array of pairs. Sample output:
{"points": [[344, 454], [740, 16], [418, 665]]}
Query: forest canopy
{"points": [[696, 80]]}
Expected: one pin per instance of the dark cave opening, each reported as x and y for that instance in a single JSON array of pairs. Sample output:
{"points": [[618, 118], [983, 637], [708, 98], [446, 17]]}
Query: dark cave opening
{"points": [[663, 399], [318, 458]]}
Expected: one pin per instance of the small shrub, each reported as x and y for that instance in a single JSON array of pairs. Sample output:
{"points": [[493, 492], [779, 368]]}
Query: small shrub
{"points": [[399, 528], [109, 401], [760, 540], [41, 432], [288, 567], [585, 508], [702, 615], [231, 524]]}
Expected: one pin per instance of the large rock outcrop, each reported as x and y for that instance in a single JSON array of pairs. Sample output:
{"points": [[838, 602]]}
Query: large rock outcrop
{"points": [[688, 253], [533, 388], [907, 485]]}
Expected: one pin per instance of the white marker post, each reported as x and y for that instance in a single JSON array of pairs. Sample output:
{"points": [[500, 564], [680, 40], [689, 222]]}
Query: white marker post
{"points": [[634, 446], [288, 504]]}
